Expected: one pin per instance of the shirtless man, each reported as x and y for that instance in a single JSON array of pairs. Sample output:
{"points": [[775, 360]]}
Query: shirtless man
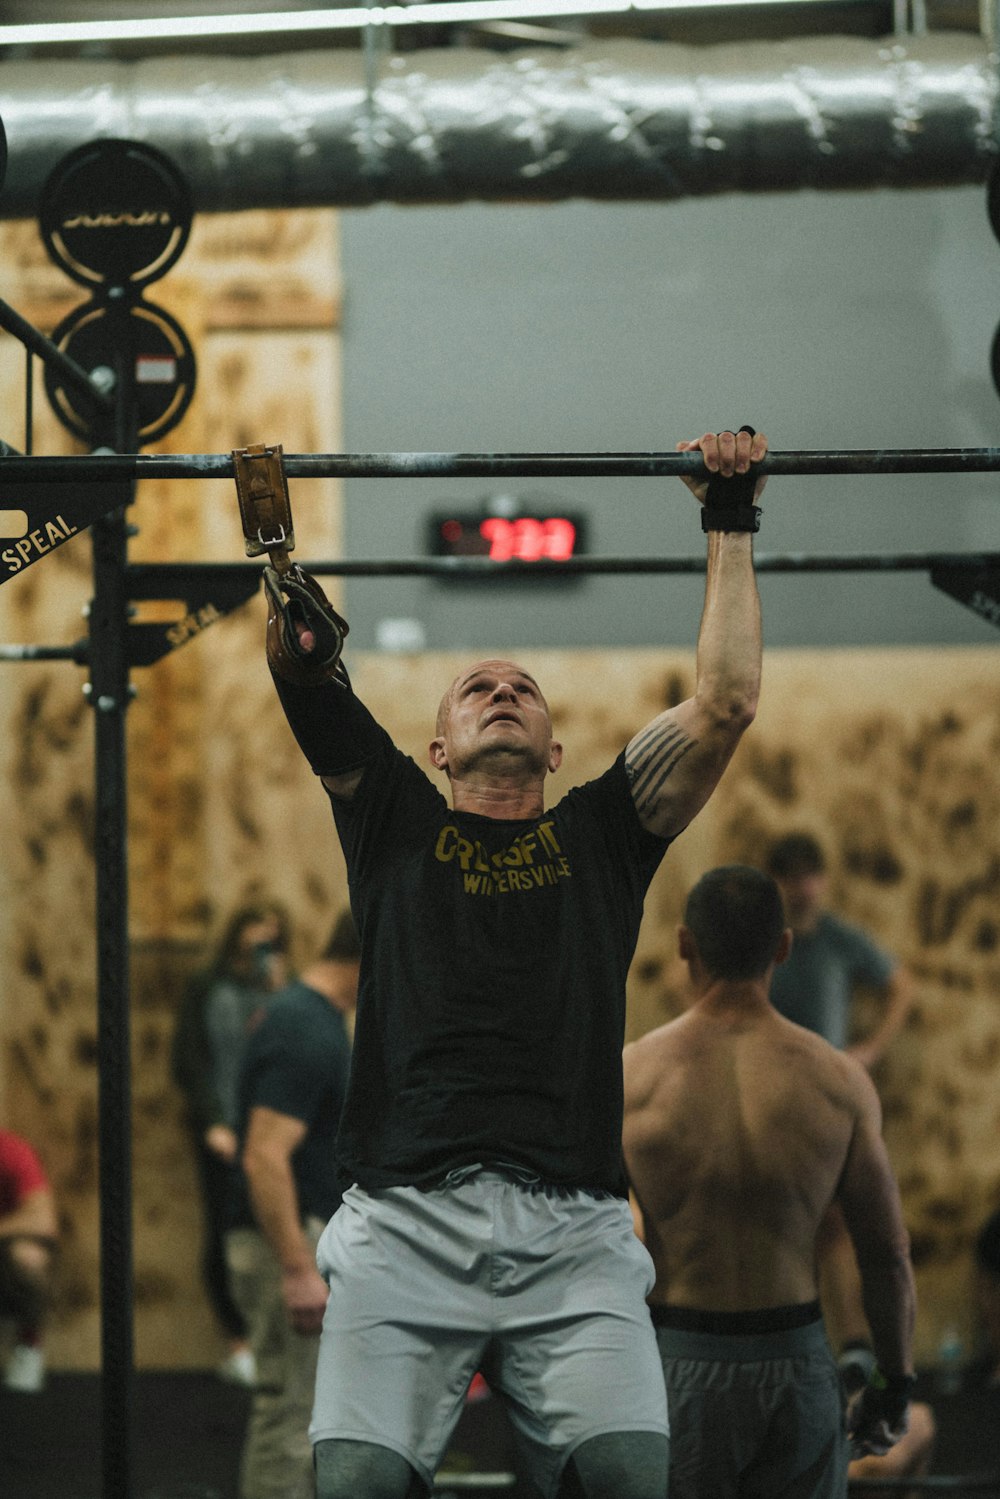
{"points": [[740, 1130]]}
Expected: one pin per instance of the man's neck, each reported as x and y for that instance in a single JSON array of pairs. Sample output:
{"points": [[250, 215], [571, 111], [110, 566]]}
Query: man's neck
{"points": [[726, 999], [504, 798], [335, 981]]}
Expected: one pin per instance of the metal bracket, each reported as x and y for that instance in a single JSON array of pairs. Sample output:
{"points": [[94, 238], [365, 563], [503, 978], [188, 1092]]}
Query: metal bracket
{"points": [[978, 588], [210, 592], [37, 518]]}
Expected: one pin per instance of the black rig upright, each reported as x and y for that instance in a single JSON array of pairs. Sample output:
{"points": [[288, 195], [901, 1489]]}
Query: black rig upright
{"points": [[115, 215]]}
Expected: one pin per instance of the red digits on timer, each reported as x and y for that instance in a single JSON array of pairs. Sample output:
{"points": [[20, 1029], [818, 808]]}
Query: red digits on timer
{"points": [[527, 540]]}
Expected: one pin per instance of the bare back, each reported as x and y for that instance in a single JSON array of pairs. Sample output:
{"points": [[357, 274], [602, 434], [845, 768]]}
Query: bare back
{"points": [[740, 1129]]}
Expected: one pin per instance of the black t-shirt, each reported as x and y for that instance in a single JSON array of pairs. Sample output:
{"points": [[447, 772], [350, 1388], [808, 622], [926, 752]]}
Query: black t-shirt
{"points": [[491, 1009], [296, 1062]]}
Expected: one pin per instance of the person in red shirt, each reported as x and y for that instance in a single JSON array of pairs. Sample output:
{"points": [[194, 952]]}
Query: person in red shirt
{"points": [[28, 1229]]}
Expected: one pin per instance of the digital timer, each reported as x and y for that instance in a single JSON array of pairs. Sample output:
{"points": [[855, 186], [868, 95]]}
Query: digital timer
{"points": [[518, 537]]}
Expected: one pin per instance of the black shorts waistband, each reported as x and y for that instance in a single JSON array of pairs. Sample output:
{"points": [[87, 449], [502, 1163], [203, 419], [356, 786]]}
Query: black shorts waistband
{"points": [[767, 1319], [511, 1171]]}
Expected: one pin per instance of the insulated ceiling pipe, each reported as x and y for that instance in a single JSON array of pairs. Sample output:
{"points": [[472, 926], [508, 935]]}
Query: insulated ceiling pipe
{"points": [[621, 119]]}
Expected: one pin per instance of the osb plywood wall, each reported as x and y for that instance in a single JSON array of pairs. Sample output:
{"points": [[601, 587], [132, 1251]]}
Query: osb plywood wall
{"points": [[890, 757], [216, 800]]}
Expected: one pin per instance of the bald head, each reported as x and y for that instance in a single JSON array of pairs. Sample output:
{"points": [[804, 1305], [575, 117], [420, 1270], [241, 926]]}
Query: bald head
{"points": [[498, 667]]}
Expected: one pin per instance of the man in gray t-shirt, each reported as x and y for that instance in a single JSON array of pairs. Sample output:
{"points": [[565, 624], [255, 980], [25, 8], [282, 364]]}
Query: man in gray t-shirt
{"points": [[830, 959], [815, 988], [816, 985]]}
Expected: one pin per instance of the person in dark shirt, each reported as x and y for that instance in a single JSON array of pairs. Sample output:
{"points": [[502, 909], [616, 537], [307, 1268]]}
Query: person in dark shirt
{"points": [[485, 1222], [291, 1092]]}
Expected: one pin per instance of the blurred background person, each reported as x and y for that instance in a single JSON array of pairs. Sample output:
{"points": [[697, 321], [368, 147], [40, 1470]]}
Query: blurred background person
{"points": [[28, 1235], [292, 1089], [985, 1371], [816, 987], [251, 962], [831, 959], [966, 1396]]}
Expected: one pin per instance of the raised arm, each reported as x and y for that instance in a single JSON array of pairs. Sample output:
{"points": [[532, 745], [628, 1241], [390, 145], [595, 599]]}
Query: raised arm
{"points": [[334, 729], [675, 762]]}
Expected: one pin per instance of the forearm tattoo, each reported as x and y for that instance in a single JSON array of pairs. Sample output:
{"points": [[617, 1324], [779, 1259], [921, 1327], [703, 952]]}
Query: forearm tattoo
{"points": [[652, 759]]}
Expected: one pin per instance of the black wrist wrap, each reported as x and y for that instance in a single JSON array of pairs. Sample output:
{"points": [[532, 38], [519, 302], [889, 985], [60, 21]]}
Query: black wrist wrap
{"points": [[334, 729], [729, 503], [729, 517]]}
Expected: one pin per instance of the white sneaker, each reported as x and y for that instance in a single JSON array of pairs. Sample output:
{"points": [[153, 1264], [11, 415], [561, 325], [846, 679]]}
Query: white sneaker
{"points": [[25, 1370], [239, 1368]]}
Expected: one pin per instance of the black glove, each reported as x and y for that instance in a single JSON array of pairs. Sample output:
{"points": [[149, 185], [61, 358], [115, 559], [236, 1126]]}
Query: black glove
{"points": [[729, 502], [295, 598], [880, 1415]]}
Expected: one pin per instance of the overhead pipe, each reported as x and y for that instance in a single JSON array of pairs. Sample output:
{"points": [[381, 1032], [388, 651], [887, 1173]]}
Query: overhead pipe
{"points": [[616, 119]]}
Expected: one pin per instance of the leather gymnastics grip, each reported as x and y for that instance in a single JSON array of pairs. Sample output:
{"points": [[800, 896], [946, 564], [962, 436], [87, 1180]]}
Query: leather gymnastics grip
{"points": [[295, 598]]}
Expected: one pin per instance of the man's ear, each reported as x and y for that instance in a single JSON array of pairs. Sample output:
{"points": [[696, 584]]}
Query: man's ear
{"points": [[784, 946], [555, 755], [437, 754], [685, 943]]}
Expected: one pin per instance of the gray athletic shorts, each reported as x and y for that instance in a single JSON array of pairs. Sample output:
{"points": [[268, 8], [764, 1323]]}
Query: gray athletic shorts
{"points": [[541, 1288], [757, 1414]]}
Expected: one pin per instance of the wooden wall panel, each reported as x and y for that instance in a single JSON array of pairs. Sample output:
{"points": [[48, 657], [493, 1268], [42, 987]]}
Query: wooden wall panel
{"points": [[212, 800]]}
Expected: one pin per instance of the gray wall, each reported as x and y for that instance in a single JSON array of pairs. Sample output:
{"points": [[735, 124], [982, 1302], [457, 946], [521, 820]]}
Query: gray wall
{"points": [[828, 321]]}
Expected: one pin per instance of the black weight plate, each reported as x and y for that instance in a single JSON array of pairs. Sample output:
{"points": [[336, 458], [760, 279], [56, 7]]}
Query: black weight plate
{"points": [[152, 354], [3, 154], [115, 213]]}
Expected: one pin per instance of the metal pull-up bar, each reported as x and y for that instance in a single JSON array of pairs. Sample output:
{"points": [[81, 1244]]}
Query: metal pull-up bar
{"points": [[134, 466]]}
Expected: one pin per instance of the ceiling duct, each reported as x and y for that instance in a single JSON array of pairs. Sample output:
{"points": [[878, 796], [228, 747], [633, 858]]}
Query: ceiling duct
{"points": [[623, 119]]}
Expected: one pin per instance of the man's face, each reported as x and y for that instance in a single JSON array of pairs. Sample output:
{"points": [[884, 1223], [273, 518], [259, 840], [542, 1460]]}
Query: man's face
{"points": [[803, 895], [494, 716]]}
